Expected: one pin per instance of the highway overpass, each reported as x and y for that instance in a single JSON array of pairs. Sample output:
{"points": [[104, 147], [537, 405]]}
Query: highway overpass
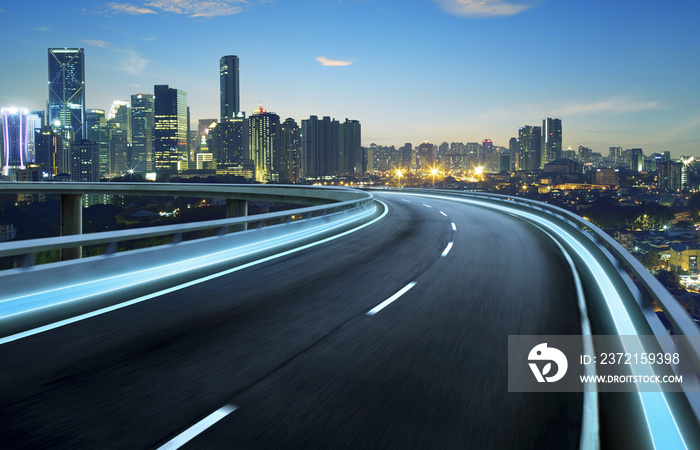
{"points": [[383, 324]]}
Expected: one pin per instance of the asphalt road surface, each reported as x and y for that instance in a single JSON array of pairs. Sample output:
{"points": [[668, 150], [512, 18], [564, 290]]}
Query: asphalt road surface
{"points": [[288, 349]]}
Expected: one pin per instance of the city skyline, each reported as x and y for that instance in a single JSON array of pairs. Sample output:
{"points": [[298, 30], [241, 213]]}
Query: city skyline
{"points": [[617, 75]]}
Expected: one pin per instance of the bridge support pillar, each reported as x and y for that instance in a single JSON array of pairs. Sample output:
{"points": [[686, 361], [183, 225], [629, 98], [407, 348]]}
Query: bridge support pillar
{"points": [[236, 208], [71, 222]]}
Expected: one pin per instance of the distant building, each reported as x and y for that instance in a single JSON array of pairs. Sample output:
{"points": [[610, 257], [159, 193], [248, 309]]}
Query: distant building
{"points": [[49, 143], [636, 156], [15, 137], [624, 238], [171, 127], [291, 151], [615, 156], [529, 138], [585, 154], [425, 158], [320, 147], [98, 131], [85, 162], [405, 155], [670, 175], [66, 107], [265, 140], [350, 148], [232, 139], [552, 140], [684, 257], [229, 89], [142, 127], [607, 176], [562, 167]]}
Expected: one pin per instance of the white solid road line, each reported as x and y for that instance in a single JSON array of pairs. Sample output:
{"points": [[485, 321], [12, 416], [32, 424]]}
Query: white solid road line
{"points": [[190, 433], [391, 299], [447, 249]]}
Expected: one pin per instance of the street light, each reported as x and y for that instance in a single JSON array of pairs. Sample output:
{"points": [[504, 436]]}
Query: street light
{"points": [[433, 172], [399, 174]]}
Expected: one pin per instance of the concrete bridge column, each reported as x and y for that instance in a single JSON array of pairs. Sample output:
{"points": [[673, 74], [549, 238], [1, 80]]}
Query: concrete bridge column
{"points": [[71, 222], [236, 208]]}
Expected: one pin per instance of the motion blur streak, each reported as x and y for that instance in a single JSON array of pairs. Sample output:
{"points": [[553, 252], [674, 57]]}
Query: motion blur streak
{"points": [[663, 427], [101, 311]]}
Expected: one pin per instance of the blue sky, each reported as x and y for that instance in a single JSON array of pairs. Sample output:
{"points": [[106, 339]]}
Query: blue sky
{"points": [[618, 73]]}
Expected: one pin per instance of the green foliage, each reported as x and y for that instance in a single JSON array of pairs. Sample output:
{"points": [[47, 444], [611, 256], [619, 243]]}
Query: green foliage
{"points": [[606, 213], [651, 260], [669, 279]]}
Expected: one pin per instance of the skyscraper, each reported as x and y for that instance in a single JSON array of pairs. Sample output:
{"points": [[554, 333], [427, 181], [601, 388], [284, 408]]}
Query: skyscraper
{"points": [[85, 161], [170, 124], [233, 140], [229, 90], [552, 140], [264, 144], [529, 138], [15, 138], [425, 156], [319, 146], [97, 131], [142, 124], [66, 108], [350, 148], [290, 170], [48, 144]]}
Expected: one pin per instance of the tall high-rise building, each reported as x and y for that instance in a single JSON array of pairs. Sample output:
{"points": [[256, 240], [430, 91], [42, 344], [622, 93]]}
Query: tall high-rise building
{"points": [[615, 155], [97, 131], [170, 124], [15, 134], [233, 140], [350, 148], [551, 140], [229, 90], [636, 159], [406, 156], [529, 138], [66, 107], [290, 170], [48, 144], [85, 161], [142, 125], [426, 156], [120, 113], [265, 144], [319, 146], [35, 121], [671, 175]]}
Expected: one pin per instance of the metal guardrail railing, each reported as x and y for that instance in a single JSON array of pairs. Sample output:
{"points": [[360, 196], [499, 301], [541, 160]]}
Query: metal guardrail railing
{"points": [[29, 248]]}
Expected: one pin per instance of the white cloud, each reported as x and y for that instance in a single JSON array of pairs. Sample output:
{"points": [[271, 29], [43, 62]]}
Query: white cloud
{"points": [[95, 43], [332, 62], [128, 8], [619, 104], [133, 62], [192, 8], [200, 8], [482, 8]]}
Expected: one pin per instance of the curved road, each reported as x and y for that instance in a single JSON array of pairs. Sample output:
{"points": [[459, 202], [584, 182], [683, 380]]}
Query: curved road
{"points": [[290, 343]]}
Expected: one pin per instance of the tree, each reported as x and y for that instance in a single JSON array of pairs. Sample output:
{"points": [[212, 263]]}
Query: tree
{"points": [[669, 279], [651, 260]]}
